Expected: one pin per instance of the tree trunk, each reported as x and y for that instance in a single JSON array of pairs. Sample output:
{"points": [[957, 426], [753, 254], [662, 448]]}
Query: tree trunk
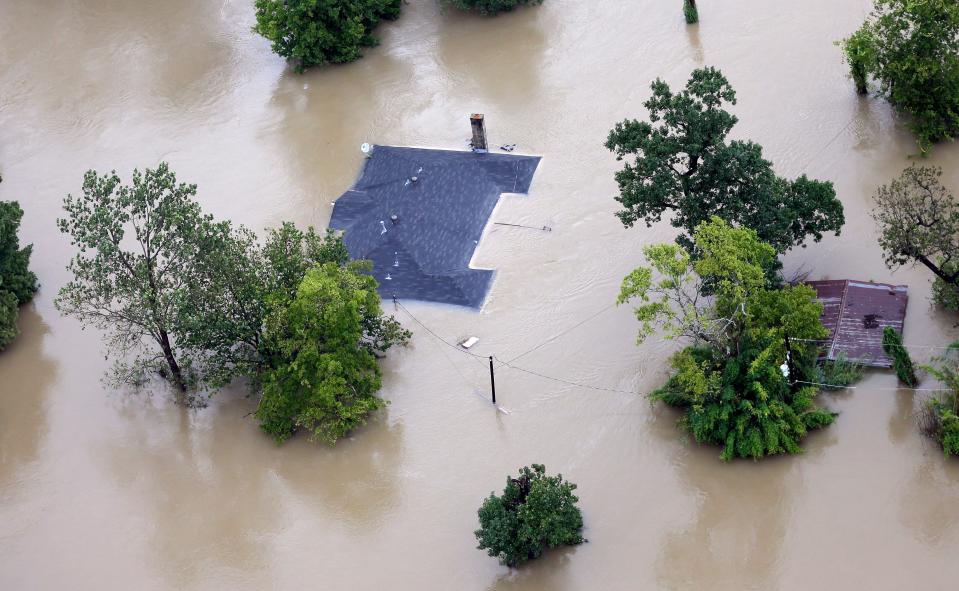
{"points": [[937, 270], [175, 372]]}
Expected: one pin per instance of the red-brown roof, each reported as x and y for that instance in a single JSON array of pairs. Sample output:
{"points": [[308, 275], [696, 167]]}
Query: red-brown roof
{"points": [[855, 313]]}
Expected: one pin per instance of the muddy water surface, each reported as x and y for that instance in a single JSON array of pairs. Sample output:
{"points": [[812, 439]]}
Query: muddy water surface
{"points": [[104, 489]]}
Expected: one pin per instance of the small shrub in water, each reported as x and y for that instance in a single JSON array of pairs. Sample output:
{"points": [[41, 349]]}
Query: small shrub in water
{"points": [[901, 362], [489, 7], [535, 512], [839, 373], [690, 11]]}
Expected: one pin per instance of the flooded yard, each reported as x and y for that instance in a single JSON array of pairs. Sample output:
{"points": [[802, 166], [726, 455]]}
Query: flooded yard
{"points": [[104, 488]]}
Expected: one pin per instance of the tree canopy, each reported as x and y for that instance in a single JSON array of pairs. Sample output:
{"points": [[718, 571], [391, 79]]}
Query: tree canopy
{"points": [[17, 282], [490, 7], [912, 49], [319, 32], [203, 303], [535, 512], [940, 417], [138, 245], [324, 375], [739, 382], [918, 222], [683, 164], [15, 274]]}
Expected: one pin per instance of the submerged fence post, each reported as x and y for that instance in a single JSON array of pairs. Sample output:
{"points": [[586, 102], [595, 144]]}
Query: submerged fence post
{"points": [[478, 124], [492, 379]]}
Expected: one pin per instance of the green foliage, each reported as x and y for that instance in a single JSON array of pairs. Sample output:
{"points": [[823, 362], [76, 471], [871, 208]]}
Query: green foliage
{"points": [[17, 282], [131, 276], [912, 48], [319, 32], [690, 11], [230, 291], [901, 362], [946, 295], [860, 51], [323, 377], [941, 416], [8, 318], [837, 373], [203, 303], [918, 222], [489, 7], [15, 275], [684, 164], [743, 404], [730, 268], [534, 513], [731, 382]]}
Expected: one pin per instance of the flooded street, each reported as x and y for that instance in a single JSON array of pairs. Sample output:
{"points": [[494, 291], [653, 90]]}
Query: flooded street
{"points": [[104, 489]]}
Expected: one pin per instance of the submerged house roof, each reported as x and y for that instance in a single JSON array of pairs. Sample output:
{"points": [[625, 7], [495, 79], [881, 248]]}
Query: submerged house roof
{"points": [[855, 313], [418, 215]]}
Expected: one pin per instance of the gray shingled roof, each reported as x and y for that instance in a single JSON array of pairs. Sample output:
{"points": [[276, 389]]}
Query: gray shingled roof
{"points": [[425, 253]]}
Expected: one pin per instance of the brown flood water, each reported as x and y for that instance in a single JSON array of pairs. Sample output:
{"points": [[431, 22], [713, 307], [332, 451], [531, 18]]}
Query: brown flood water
{"points": [[103, 489]]}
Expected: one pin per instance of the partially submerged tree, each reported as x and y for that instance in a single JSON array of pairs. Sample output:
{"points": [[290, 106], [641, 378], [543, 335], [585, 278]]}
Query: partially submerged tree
{"points": [[684, 165], [918, 222], [690, 11], [901, 361], [138, 247], [489, 7], [319, 32], [323, 374], [535, 512], [912, 49], [700, 299], [940, 418], [860, 52], [17, 283], [740, 383]]}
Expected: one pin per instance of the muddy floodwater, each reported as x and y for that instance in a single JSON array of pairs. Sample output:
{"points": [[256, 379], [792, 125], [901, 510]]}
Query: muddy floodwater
{"points": [[107, 489]]}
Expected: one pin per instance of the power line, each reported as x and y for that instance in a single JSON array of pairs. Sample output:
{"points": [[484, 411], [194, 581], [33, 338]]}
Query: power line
{"points": [[568, 382], [436, 336], [556, 336], [829, 143]]}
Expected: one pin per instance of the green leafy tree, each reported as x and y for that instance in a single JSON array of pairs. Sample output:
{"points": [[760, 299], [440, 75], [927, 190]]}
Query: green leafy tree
{"points": [[534, 513], [940, 419], [9, 313], [700, 299], [324, 374], [912, 49], [15, 274], [918, 222], [138, 245], [946, 295], [489, 7], [319, 32], [17, 283], [901, 362], [231, 294], [690, 11], [741, 382], [860, 51], [684, 164]]}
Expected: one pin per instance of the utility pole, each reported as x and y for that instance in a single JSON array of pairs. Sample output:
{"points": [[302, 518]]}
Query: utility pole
{"points": [[492, 379]]}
